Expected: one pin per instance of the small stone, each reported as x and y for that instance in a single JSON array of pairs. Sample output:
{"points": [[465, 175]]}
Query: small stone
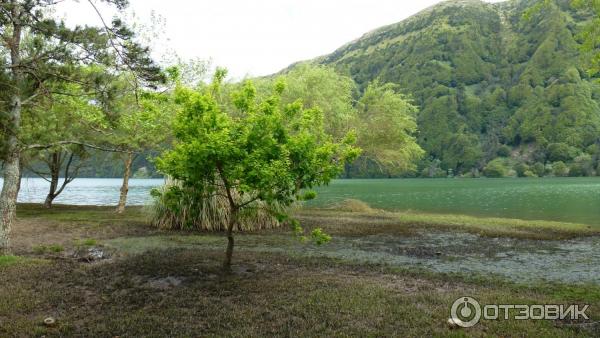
{"points": [[438, 253], [50, 321]]}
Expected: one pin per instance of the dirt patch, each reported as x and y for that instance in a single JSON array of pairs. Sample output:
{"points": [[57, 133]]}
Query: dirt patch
{"points": [[68, 226]]}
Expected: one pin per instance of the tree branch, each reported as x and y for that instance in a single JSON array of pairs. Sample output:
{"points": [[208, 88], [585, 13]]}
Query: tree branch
{"points": [[87, 145]]}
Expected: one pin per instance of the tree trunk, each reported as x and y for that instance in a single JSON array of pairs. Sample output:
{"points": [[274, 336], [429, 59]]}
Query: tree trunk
{"points": [[125, 186], [12, 176], [10, 187], [234, 209], [229, 252], [8, 197], [54, 176], [20, 176]]}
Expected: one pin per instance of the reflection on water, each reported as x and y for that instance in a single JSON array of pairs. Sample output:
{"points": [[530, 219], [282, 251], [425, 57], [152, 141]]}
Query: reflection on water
{"points": [[89, 191]]}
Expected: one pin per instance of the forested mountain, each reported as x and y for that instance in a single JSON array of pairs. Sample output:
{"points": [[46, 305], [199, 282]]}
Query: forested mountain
{"points": [[494, 83]]}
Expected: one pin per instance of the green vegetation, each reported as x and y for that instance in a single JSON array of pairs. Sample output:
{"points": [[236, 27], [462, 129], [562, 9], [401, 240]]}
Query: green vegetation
{"points": [[490, 82], [383, 118], [410, 220], [52, 248], [10, 260], [7, 260], [49, 69], [86, 242], [257, 155], [463, 89], [502, 226]]}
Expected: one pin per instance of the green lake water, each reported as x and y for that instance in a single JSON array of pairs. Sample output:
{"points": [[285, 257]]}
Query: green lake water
{"points": [[557, 199]]}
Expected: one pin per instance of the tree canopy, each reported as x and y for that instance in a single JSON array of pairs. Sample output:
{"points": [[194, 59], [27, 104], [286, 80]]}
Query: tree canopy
{"points": [[262, 153]]}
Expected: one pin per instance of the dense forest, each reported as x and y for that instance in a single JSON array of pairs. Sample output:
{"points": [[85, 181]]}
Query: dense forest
{"points": [[501, 90]]}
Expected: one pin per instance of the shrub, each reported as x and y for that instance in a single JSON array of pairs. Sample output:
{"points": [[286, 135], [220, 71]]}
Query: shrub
{"points": [[354, 205], [538, 169], [561, 152], [54, 248], [495, 168], [521, 168], [503, 151], [576, 170], [560, 169], [583, 165], [178, 208]]}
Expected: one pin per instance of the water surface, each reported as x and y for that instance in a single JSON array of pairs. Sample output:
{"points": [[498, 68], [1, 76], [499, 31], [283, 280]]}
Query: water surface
{"points": [[89, 191], [559, 199]]}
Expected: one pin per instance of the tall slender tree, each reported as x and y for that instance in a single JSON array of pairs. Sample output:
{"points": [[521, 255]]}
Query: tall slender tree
{"points": [[141, 127], [36, 48]]}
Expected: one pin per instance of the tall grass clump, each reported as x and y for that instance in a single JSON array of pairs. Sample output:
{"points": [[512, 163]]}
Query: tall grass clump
{"points": [[353, 205], [176, 207]]}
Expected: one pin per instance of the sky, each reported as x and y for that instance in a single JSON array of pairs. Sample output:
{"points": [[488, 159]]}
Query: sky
{"points": [[252, 38]]}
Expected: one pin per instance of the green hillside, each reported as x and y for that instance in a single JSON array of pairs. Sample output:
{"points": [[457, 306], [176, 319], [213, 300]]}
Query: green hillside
{"points": [[492, 84]]}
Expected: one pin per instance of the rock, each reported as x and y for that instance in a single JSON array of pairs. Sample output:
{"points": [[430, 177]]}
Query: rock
{"points": [[91, 254], [50, 321], [438, 253]]}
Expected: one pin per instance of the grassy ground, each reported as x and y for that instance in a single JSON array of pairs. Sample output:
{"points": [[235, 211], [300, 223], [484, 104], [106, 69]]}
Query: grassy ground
{"points": [[179, 290], [365, 220]]}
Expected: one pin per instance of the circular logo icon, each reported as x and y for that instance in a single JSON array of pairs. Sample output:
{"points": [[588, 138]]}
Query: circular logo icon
{"points": [[465, 312]]}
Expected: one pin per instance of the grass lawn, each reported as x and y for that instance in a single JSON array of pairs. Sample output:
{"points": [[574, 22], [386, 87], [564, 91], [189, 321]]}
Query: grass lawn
{"points": [[157, 290]]}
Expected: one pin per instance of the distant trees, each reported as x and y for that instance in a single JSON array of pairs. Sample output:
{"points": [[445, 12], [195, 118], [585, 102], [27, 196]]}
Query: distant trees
{"points": [[482, 96], [383, 117], [589, 35], [261, 153], [387, 127], [322, 87]]}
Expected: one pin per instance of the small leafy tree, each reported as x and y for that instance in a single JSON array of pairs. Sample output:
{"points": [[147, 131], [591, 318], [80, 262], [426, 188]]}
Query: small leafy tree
{"points": [[260, 154], [322, 87], [387, 127]]}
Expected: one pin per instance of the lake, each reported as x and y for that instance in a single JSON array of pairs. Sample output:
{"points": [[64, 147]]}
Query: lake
{"points": [[560, 199], [89, 191]]}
